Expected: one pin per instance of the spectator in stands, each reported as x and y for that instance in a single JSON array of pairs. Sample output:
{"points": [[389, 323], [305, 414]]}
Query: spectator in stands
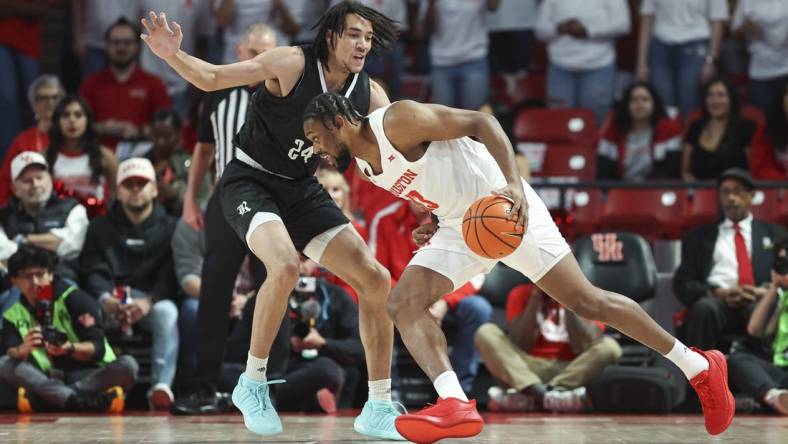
{"points": [[56, 326], [548, 356], [458, 51], [678, 46], [769, 150], [305, 14], [122, 96], [81, 166], [641, 141], [720, 138], [461, 312], [765, 25], [36, 216], [44, 94], [130, 247], [511, 30], [723, 266], [20, 49], [235, 17], [171, 162], [580, 38], [194, 18], [766, 380], [92, 19]]}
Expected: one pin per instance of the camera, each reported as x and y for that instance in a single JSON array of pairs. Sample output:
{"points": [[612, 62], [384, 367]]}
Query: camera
{"points": [[304, 306], [51, 334], [781, 265]]}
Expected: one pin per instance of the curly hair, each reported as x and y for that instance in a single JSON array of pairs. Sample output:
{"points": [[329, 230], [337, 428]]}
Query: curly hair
{"points": [[327, 105], [29, 256]]}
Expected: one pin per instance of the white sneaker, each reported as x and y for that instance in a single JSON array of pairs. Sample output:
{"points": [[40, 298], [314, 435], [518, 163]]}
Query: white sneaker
{"points": [[160, 397], [509, 400], [778, 400], [566, 401]]}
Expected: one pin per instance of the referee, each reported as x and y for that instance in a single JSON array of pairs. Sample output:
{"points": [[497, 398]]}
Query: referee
{"points": [[223, 114]]}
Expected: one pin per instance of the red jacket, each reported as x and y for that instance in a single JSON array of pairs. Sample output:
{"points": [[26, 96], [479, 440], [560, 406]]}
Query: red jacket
{"points": [[666, 146], [391, 241], [763, 164]]}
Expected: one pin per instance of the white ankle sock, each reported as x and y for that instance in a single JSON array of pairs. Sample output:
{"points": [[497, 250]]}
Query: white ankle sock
{"points": [[255, 368], [380, 390], [448, 386], [690, 362]]}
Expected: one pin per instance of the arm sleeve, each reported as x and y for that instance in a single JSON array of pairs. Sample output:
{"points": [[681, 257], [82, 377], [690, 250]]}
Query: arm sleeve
{"points": [[166, 286], [718, 10], [648, 7], [346, 347], [688, 284], [545, 24], [187, 253], [617, 23], [10, 335], [517, 300], [72, 234], [85, 316], [7, 246], [739, 14], [97, 275], [205, 127]]}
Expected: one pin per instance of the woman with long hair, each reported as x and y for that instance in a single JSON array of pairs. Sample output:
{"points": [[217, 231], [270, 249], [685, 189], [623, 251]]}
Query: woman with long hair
{"points": [[81, 167], [769, 150], [641, 141], [720, 138]]}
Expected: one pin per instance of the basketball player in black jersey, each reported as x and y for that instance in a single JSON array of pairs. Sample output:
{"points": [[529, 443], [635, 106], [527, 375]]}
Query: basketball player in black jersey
{"points": [[273, 201]]}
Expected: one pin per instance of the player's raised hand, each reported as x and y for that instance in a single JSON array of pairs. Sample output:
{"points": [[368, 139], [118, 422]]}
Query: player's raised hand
{"points": [[161, 39], [515, 193]]}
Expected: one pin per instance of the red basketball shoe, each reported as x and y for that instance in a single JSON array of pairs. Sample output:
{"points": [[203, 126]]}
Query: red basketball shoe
{"points": [[715, 396], [448, 418]]}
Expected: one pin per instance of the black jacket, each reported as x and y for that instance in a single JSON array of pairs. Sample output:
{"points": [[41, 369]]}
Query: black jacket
{"points": [[697, 251], [119, 253]]}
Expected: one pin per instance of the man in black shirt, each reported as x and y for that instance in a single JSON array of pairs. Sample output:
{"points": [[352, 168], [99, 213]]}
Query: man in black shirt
{"points": [[55, 329], [273, 201]]}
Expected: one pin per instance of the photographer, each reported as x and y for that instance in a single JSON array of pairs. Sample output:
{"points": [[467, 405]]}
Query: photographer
{"points": [[56, 352], [767, 380]]}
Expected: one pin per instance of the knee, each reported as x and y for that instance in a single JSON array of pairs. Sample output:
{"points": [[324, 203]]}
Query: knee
{"points": [[403, 303], [130, 368], [704, 308], [188, 313], [607, 350], [487, 334], [373, 281], [284, 270], [478, 308], [164, 314]]}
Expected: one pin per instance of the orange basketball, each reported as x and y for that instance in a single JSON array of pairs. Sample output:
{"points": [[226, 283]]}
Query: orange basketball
{"points": [[486, 230]]}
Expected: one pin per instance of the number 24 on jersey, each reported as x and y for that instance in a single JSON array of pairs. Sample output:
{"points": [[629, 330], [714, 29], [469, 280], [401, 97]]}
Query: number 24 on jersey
{"points": [[300, 150]]}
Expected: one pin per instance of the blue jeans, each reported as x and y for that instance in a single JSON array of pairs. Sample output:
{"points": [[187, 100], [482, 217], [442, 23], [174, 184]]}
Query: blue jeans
{"points": [[187, 326], [466, 85], [469, 315], [162, 323], [592, 89], [17, 72], [764, 92], [675, 72], [388, 67], [94, 61]]}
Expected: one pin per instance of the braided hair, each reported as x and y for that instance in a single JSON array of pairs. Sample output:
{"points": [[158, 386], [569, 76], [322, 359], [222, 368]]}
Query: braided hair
{"points": [[385, 31], [327, 105]]}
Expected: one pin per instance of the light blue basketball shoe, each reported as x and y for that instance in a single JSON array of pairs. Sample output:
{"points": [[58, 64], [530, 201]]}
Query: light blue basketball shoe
{"points": [[377, 420], [252, 399]]}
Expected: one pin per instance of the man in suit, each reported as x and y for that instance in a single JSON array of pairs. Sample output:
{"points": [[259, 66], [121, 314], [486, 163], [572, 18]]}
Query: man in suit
{"points": [[725, 267]]}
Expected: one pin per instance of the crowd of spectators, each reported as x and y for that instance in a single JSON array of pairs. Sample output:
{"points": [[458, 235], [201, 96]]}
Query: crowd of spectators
{"points": [[104, 187]]}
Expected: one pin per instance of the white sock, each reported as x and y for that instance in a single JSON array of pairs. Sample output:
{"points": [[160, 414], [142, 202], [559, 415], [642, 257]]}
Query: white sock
{"points": [[690, 362], [448, 386], [255, 368], [380, 390]]}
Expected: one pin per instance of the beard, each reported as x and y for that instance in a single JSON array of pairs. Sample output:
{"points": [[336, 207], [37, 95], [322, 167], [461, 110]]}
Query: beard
{"points": [[342, 161], [138, 208], [122, 63]]}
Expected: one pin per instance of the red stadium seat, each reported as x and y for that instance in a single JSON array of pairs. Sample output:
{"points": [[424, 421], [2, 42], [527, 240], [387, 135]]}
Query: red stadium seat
{"points": [[703, 208], [531, 87], [566, 161], [781, 213], [652, 213], [765, 205], [573, 125], [583, 216]]}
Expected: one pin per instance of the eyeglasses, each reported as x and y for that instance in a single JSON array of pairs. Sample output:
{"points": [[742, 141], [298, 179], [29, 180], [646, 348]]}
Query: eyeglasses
{"points": [[119, 42]]}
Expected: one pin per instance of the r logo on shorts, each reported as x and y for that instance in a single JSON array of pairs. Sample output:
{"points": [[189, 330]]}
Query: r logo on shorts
{"points": [[243, 208]]}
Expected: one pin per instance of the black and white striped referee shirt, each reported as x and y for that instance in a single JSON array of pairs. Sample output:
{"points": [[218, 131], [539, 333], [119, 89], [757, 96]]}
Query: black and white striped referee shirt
{"points": [[223, 115]]}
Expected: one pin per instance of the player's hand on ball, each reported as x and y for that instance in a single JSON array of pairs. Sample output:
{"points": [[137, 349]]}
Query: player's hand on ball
{"points": [[163, 41], [514, 192], [424, 233]]}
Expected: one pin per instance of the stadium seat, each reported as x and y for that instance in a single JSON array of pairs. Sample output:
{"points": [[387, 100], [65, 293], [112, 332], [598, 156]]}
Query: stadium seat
{"points": [[765, 204], [584, 210], [499, 282], [618, 261], [566, 161], [532, 87], [568, 126], [703, 208], [781, 212], [653, 213]]}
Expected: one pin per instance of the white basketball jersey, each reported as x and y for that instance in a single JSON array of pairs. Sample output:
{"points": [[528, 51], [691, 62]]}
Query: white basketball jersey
{"points": [[450, 175]]}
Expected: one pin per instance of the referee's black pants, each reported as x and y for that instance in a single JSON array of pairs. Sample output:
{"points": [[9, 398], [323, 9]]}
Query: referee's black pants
{"points": [[224, 254]]}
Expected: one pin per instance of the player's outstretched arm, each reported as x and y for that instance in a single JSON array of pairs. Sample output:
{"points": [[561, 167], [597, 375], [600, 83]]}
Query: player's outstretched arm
{"points": [[165, 42], [409, 124]]}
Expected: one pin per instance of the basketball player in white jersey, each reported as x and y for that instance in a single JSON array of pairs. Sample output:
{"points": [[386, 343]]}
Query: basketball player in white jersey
{"points": [[427, 153]]}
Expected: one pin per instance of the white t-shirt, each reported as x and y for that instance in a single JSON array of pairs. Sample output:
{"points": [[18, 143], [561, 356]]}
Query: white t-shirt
{"points": [[101, 14], [305, 13], [681, 21], [393, 9], [195, 19], [769, 49], [512, 15], [247, 13], [604, 20], [461, 31]]}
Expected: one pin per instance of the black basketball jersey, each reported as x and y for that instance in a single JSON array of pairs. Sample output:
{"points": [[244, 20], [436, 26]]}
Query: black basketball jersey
{"points": [[273, 135]]}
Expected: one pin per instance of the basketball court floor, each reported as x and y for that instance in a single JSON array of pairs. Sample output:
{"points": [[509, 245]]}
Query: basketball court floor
{"points": [[500, 428]]}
